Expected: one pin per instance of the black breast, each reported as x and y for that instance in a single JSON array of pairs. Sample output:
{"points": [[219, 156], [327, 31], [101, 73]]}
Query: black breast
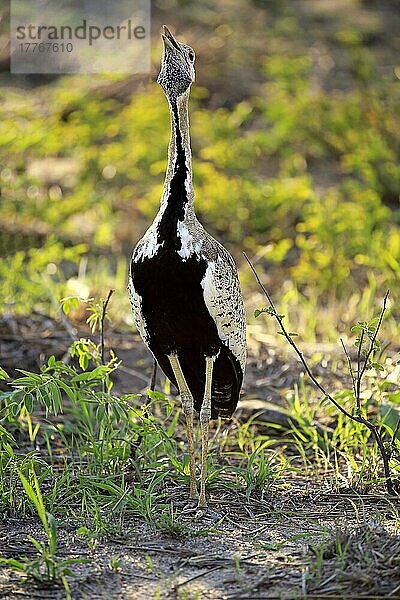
{"points": [[177, 321]]}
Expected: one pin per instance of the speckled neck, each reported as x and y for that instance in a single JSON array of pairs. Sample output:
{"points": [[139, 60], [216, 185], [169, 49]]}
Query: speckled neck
{"points": [[179, 153], [178, 197]]}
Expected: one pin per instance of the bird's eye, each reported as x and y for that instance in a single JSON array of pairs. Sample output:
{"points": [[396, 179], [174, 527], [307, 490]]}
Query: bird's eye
{"points": [[191, 56]]}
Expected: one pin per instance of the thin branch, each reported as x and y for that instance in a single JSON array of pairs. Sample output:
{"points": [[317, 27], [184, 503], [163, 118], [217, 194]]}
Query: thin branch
{"points": [[358, 390], [358, 418], [296, 349], [361, 371], [373, 339], [394, 436], [103, 318], [65, 322], [353, 379]]}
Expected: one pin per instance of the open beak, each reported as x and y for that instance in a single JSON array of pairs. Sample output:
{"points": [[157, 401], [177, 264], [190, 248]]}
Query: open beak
{"points": [[169, 40]]}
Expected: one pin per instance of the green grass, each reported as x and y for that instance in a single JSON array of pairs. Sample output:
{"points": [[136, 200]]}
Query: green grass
{"points": [[110, 459], [47, 567], [299, 171]]}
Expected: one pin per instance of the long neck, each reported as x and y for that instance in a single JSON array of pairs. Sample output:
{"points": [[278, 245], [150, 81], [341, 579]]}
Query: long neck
{"points": [[178, 186]]}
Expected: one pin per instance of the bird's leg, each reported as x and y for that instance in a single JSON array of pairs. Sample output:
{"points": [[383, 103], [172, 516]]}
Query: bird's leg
{"points": [[187, 404], [205, 416], [188, 410], [153, 376]]}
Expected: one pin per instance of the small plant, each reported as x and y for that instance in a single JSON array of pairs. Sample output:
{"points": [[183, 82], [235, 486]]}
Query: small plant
{"points": [[168, 523], [367, 344], [238, 568], [47, 566], [360, 560], [115, 564], [258, 474], [86, 350]]}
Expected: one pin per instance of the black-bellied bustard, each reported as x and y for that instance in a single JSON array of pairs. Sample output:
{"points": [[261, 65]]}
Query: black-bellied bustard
{"points": [[183, 284]]}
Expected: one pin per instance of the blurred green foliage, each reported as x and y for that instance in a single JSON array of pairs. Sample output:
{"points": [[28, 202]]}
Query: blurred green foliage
{"points": [[303, 175]]}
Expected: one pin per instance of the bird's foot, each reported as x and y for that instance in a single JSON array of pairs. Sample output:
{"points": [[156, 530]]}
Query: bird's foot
{"points": [[191, 505], [207, 513], [200, 512]]}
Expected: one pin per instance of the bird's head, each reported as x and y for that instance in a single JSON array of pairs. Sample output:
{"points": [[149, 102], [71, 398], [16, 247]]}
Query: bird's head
{"points": [[177, 67]]}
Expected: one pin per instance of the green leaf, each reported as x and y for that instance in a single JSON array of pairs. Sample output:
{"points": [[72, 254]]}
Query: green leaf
{"points": [[97, 373], [100, 412], [82, 377], [23, 382], [116, 412], [30, 375], [67, 389], [267, 310], [8, 449], [35, 497], [376, 365], [3, 374], [84, 361], [14, 564], [56, 396], [38, 545], [53, 532], [111, 488], [45, 396], [390, 415], [373, 321], [29, 400], [14, 409], [155, 395], [68, 303]]}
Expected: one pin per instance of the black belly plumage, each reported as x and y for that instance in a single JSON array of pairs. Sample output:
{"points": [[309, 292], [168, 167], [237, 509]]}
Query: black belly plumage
{"points": [[177, 321]]}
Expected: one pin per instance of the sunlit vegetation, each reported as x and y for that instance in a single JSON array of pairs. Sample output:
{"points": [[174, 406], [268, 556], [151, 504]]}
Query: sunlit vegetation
{"points": [[300, 171], [72, 451], [295, 135]]}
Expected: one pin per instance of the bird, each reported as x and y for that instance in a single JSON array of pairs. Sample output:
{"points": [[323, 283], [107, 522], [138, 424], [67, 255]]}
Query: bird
{"points": [[183, 284]]}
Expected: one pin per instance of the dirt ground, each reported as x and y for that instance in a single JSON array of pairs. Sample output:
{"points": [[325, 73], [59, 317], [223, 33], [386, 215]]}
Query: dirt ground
{"points": [[261, 549], [298, 540]]}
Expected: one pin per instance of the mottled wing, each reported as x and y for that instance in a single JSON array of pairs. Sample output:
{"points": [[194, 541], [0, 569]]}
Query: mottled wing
{"points": [[136, 302], [224, 302]]}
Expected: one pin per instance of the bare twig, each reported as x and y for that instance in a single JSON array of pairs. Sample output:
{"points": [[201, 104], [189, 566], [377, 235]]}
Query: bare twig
{"points": [[353, 379], [394, 436], [177, 585], [372, 345], [294, 346], [102, 322], [358, 387], [65, 322], [357, 417]]}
